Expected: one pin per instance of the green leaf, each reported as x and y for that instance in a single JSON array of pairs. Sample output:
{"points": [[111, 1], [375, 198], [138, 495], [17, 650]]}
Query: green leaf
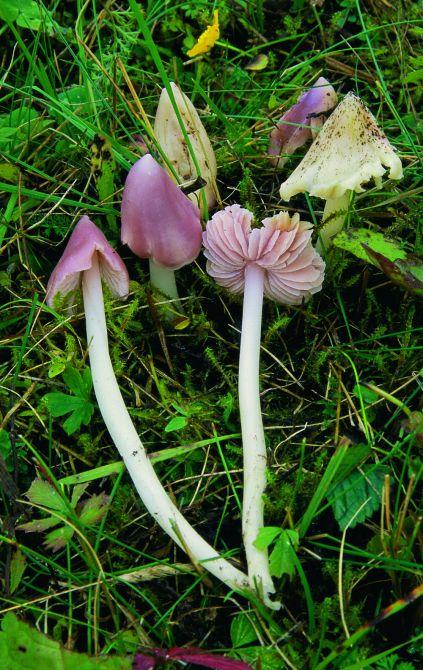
{"points": [[368, 395], [78, 406], [242, 630], [177, 423], [354, 456], [257, 63], [56, 367], [23, 647], [361, 489], [77, 492], [58, 538], [17, 568], [39, 525], [79, 384], [94, 509], [352, 240], [266, 536], [5, 446], [281, 561], [42, 493], [9, 172], [26, 13]]}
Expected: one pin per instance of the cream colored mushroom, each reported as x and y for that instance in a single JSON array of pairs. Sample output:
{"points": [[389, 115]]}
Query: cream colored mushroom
{"points": [[348, 152], [171, 138]]}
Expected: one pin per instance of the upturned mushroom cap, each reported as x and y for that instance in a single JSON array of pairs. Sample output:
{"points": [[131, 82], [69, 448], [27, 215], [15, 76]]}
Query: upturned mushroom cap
{"points": [[282, 248], [308, 113], [169, 134], [85, 241], [158, 220], [348, 152]]}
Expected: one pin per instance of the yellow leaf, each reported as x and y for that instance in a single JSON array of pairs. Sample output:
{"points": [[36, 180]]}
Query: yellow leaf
{"points": [[207, 39]]}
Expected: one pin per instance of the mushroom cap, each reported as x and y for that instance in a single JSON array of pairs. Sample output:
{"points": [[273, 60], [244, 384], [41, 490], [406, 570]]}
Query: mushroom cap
{"points": [[85, 241], [348, 152], [158, 220], [293, 270], [169, 135], [308, 114]]}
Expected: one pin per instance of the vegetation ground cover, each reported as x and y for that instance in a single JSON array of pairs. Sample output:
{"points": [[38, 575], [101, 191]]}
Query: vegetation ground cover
{"points": [[340, 376]]}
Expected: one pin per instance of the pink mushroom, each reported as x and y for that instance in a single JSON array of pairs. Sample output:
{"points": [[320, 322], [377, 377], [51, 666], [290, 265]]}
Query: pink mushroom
{"points": [[87, 260], [301, 122], [279, 261], [159, 222]]}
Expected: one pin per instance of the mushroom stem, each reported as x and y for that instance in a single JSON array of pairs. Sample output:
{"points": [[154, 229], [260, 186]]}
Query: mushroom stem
{"points": [[335, 213], [130, 447], [254, 447], [163, 280]]}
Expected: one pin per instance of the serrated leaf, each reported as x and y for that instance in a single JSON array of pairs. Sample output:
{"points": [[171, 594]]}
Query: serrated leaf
{"points": [[42, 493], [242, 630], [58, 538], [77, 492], [94, 509], [354, 456], [79, 384], [17, 568], [266, 536], [361, 489], [281, 560], [39, 525], [23, 647], [352, 240], [177, 423]]}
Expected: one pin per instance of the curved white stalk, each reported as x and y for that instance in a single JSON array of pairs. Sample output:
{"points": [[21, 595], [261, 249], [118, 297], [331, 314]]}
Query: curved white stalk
{"points": [[123, 433], [336, 210], [254, 447], [163, 280]]}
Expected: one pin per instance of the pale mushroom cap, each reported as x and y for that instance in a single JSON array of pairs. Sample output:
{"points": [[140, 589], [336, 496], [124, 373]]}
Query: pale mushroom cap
{"points": [[158, 220], [308, 112], [169, 135], [348, 152], [281, 247], [85, 241]]}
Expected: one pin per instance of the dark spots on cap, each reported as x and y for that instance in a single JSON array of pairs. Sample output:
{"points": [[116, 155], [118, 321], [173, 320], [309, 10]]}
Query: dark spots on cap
{"points": [[135, 452]]}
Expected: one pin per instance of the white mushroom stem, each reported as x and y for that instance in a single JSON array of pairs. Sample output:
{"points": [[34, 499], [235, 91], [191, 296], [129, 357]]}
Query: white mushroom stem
{"points": [[254, 447], [335, 210], [130, 447], [163, 280]]}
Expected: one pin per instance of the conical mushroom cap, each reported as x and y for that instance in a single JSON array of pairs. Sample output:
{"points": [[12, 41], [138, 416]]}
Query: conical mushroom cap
{"points": [[85, 241], [348, 152], [158, 220], [308, 114], [172, 141]]}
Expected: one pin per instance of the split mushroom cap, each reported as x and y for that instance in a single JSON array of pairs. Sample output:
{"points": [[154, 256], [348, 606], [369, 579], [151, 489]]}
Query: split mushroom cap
{"points": [[293, 270], [158, 221], [348, 152], [301, 121], [170, 137], [86, 241]]}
